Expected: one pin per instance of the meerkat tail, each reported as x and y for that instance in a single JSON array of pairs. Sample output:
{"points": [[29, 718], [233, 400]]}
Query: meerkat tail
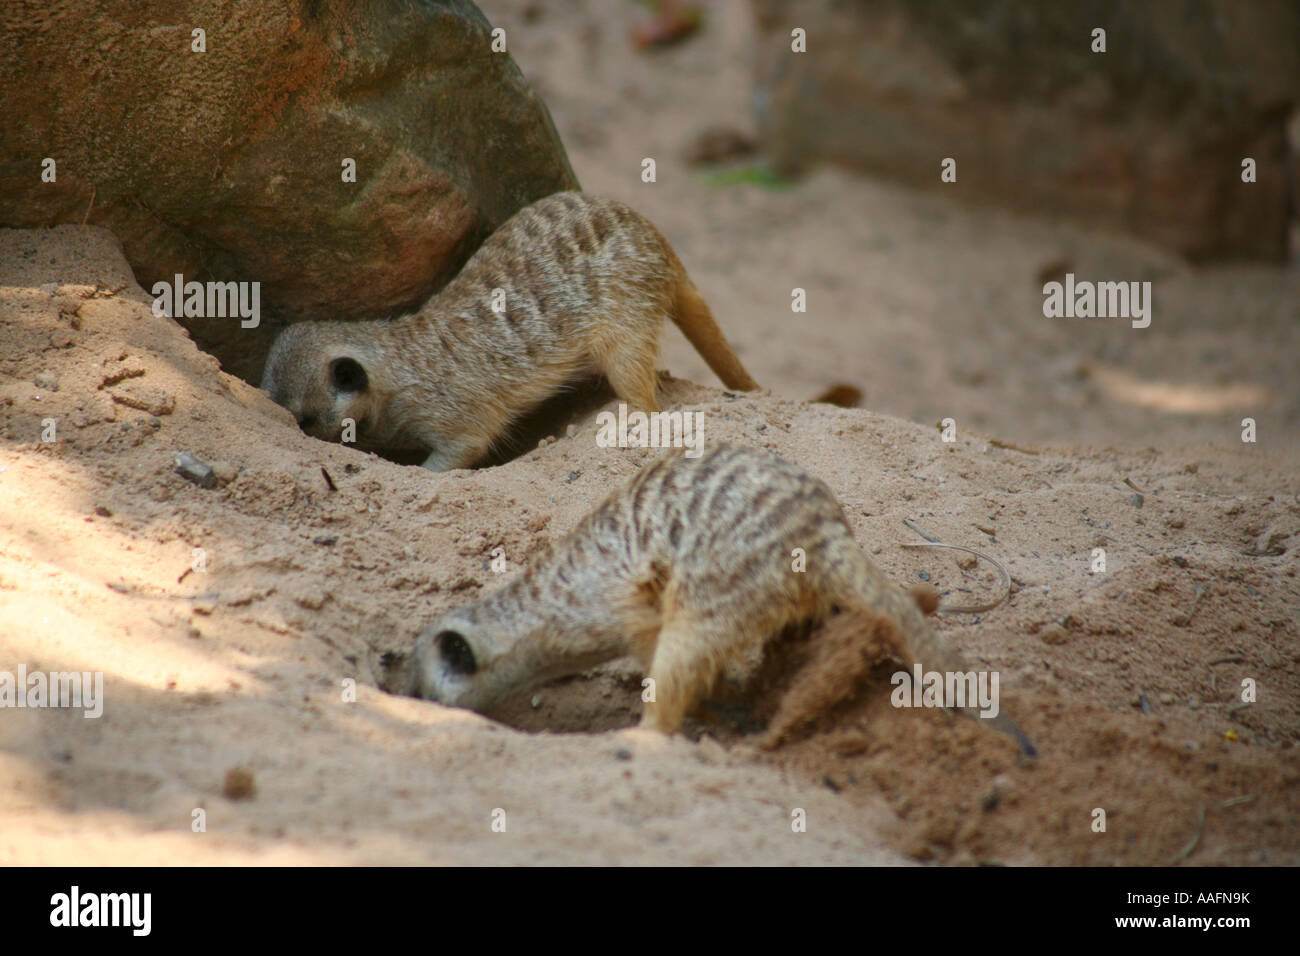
{"points": [[694, 317], [919, 643]]}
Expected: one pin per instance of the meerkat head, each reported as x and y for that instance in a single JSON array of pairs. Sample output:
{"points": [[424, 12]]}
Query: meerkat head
{"points": [[318, 371], [449, 662]]}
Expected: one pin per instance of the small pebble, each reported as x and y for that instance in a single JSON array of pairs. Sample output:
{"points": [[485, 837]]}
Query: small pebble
{"points": [[191, 469], [1054, 634], [225, 472], [239, 784]]}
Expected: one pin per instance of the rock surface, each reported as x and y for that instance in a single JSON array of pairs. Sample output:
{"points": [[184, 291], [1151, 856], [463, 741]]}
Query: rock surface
{"points": [[227, 164], [1146, 138]]}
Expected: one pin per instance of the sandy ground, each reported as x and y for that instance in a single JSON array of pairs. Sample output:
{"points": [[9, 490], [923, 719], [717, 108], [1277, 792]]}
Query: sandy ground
{"points": [[1128, 681]]}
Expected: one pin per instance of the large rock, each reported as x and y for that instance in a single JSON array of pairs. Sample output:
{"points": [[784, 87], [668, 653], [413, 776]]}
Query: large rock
{"points": [[227, 164], [1147, 137]]}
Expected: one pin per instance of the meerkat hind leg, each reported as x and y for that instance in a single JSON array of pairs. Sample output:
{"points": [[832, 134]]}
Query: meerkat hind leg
{"points": [[629, 367], [684, 668]]}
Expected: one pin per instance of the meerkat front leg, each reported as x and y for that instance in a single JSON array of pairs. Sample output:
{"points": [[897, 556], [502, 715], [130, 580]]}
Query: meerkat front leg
{"points": [[461, 453]]}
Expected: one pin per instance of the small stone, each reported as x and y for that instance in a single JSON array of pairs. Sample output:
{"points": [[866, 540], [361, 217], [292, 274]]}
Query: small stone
{"points": [[1166, 699], [146, 398], [62, 339], [313, 599], [191, 469], [1054, 634], [239, 784], [999, 787], [118, 370], [536, 701], [225, 472], [103, 512], [46, 380], [622, 753], [325, 540]]}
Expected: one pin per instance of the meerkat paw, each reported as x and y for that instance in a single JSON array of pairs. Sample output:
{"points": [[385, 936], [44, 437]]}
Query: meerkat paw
{"points": [[449, 457]]}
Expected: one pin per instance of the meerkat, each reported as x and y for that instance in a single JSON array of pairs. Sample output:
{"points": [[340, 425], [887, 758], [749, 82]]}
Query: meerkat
{"points": [[688, 568], [572, 285]]}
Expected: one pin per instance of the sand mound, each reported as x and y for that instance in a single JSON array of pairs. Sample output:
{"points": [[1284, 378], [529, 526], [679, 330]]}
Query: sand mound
{"points": [[245, 663]]}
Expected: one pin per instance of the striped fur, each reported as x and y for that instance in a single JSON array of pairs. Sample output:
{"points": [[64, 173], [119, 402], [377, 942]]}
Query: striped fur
{"points": [[587, 283], [688, 567]]}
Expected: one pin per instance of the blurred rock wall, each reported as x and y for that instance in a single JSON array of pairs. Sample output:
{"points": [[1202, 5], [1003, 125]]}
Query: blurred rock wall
{"points": [[1146, 138]]}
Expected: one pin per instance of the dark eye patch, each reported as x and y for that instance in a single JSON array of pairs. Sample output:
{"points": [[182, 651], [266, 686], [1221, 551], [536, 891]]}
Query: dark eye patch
{"points": [[347, 375], [456, 652]]}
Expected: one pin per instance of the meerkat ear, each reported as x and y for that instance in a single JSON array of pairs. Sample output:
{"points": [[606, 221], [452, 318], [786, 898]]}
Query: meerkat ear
{"points": [[456, 652], [348, 375]]}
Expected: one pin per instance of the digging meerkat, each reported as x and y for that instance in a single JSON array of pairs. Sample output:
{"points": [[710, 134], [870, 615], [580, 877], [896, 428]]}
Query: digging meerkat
{"points": [[569, 286], [688, 568]]}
